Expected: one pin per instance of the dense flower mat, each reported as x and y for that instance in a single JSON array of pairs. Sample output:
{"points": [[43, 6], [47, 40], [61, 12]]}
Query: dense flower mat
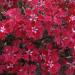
{"points": [[37, 37]]}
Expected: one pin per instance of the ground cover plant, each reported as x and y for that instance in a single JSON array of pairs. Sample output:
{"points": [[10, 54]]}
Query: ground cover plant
{"points": [[37, 37]]}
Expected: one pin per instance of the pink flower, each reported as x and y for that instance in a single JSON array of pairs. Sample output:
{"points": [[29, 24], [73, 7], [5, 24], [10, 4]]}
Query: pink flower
{"points": [[34, 30], [54, 68], [14, 14]]}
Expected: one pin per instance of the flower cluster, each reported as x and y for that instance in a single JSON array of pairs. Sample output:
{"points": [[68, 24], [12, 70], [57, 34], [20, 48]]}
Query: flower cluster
{"points": [[37, 37]]}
